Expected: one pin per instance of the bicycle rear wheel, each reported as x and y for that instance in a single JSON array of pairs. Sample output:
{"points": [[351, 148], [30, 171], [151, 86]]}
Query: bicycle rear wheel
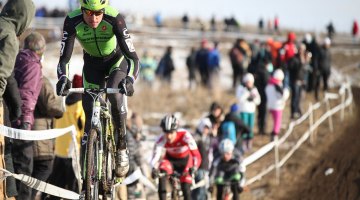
{"points": [[92, 179]]}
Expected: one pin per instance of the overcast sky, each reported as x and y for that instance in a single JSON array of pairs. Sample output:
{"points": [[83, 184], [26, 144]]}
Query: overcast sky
{"points": [[311, 15]]}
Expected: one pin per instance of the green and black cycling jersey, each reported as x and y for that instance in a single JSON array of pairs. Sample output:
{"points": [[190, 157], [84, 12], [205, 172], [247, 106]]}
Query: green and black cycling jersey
{"points": [[100, 42]]}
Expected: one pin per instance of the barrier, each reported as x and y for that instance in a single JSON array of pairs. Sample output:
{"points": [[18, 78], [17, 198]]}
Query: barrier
{"points": [[344, 89]]}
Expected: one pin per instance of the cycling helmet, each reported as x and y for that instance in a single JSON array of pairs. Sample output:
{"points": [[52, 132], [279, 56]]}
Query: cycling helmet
{"points": [[94, 4], [226, 146], [169, 123]]}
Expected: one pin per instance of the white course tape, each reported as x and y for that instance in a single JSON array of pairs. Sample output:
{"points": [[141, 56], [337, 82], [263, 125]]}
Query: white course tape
{"points": [[42, 186], [34, 135]]}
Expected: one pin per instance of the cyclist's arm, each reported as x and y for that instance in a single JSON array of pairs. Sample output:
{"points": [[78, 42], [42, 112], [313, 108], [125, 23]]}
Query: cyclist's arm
{"points": [[127, 47], [157, 154], [67, 45], [189, 140]]}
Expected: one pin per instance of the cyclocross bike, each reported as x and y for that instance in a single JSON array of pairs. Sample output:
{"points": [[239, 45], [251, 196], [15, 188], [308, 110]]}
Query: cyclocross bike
{"points": [[99, 162]]}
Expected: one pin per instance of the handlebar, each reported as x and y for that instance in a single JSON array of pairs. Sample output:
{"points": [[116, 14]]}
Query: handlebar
{"points": [[96, 90]]}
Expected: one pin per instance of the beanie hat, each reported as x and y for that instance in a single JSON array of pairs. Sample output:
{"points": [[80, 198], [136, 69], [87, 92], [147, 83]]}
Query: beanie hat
{"points": [[278, 75], [248, 78], [77, 81], [291, 36], [35, 42]]}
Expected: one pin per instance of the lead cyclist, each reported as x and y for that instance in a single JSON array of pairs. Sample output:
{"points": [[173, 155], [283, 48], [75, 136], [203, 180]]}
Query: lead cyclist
{"points": [[108, 51]]}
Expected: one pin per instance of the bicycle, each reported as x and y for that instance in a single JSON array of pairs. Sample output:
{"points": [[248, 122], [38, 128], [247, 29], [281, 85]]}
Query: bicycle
{"points": [[99, 162], [176, 192]]}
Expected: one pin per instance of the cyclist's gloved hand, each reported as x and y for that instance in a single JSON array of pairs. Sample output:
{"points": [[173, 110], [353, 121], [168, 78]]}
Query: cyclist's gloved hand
{"points": [[62, 86], [127, 85], [155, 173]]}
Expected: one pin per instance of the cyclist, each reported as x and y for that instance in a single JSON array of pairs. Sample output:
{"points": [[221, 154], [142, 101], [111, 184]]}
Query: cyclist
{"points": [[227, 167], [182, 156], [108, 51]]}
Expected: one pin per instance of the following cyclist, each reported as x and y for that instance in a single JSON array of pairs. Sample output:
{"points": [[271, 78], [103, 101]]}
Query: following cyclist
{"points": [[227, 168], [108, 51], [182, 156]]}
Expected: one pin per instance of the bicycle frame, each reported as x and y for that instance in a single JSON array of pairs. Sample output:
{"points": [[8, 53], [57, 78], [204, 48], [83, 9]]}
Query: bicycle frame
{"points": [[101, 122]]}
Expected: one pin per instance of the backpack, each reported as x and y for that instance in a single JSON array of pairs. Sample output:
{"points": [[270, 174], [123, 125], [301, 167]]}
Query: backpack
{"points": [[228, 130]]}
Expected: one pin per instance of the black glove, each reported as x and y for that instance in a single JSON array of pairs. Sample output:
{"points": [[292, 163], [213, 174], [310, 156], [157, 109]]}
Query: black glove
{"points": [[279, 89], [127, 86], [155, 173], [25, 126], [62, 86]]}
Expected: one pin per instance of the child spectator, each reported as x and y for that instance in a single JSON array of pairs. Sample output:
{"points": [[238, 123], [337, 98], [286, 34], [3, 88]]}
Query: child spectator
{"points": [[248, 98], [276, 98]]}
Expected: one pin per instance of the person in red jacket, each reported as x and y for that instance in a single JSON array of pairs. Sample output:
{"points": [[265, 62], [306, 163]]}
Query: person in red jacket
{"points": [[182, 156], [355, 30]]}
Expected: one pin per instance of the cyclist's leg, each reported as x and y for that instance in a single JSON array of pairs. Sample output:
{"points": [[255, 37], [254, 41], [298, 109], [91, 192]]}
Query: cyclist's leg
{"points": [[165, 167], [119, 112]]}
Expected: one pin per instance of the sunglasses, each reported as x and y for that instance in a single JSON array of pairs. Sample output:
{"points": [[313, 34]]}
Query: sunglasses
{"points": [[92, 13]]}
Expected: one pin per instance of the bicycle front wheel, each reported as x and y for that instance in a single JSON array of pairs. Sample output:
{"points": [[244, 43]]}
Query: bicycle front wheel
{"points": [[92, 167]]}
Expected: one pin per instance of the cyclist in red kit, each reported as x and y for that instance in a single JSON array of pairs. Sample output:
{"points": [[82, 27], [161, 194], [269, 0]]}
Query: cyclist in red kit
{"points": [[182, 156]]}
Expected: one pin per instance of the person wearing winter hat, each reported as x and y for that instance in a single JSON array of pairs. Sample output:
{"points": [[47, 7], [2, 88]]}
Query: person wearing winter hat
{"points": [[276, 95], [248, 98], [28, 74]]}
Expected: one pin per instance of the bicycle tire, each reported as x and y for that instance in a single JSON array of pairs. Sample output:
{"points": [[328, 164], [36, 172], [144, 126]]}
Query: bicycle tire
{"points": [[92, 181], [108, 167]]}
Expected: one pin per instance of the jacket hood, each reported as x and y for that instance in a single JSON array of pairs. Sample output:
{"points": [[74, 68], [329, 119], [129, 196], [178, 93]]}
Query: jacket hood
{"points": [[20, 13]]}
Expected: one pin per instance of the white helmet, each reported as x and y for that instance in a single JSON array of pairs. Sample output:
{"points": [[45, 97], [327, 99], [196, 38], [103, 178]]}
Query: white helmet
{"points": [[226, 146], [278, 75]]}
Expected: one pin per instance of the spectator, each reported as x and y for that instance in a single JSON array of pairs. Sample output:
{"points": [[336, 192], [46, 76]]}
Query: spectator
{"points": [[330, 30], [324, 67], [202, 57], [287, 53], [233, 127], [191, 66], [237, 55], [28, 76], [185, 21], [296, 75], [16, 16], [158, 20], [203, 138], [313, 47], [148, 68], [276, 24], [166, 66], [213, 23], [248, 98], [12, 111], [134, 128], [261, 25], [213, 65], [262, 74], [215, 116], [275, 47], [355, 30], [276, 95], [47, 108], [63, 174]]}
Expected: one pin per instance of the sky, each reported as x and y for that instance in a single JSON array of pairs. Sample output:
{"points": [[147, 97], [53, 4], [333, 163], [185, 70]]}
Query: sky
{"points": [[311, 15]]}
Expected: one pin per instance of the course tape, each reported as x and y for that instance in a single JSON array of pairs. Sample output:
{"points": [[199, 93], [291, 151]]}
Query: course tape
{"points": [[34, 134], [42, 186]]}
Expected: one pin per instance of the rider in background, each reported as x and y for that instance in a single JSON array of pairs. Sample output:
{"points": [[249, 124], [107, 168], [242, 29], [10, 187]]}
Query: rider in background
{"points": [[108, 51], [227, 167], [182, 156]]}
